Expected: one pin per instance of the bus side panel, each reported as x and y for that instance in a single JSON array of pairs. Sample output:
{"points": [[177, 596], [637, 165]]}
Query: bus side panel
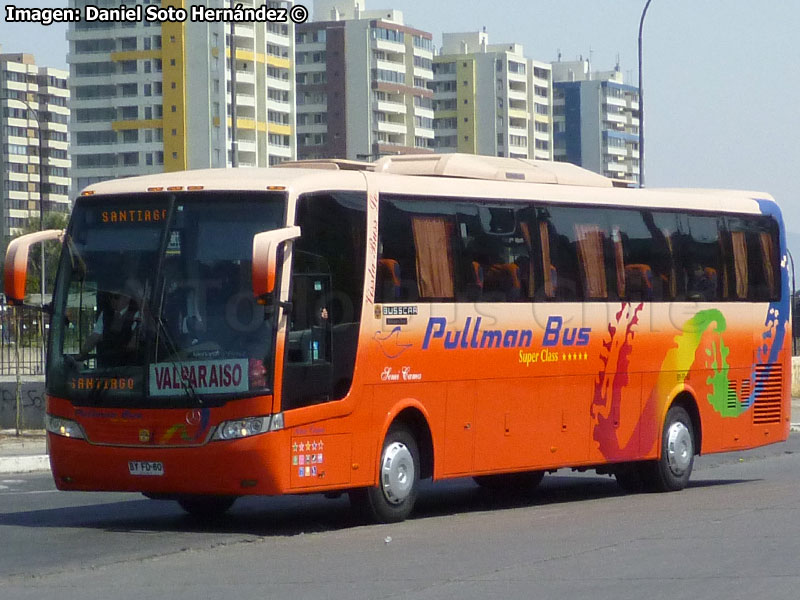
{"points": [[532, 423], [390, 400], [458, 453]]}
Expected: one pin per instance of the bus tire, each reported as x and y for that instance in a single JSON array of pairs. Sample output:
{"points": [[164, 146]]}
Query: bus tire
{"points": [[392, 500], [206, 508], [515, 483], [671, 472]]}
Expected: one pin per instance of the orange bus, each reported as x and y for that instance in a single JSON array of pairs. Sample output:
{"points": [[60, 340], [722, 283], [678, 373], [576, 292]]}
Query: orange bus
{"points": [[334, 326]]}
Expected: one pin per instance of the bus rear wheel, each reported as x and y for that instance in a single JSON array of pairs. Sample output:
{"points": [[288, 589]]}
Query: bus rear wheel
{"points": [[392, 500], [206, 508], [671, 472]]}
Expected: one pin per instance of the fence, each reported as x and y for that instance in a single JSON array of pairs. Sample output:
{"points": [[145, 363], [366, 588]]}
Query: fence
{"points": [[23, 332]]}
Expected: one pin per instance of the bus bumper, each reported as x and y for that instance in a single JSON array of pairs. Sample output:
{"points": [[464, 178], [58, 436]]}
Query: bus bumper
{"points": [[254, 465]]}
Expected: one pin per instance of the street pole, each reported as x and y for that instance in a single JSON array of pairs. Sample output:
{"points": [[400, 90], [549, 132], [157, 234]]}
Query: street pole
{"points": [[18, 391], [43, 355], [234, 145], [641, 99], [31, 112]]}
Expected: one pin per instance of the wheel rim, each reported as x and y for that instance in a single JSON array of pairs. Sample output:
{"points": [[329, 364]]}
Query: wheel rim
{"points": [[679, 448], [397, 472]]}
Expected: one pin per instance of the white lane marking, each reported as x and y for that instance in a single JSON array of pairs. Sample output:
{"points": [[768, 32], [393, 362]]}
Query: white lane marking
{"points": [[12, 493]]}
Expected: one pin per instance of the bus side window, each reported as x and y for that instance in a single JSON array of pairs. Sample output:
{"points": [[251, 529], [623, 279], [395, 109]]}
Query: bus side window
{"points": [[416, 254], [641, 256], [754, 258], [578, 252], [702, 260]]}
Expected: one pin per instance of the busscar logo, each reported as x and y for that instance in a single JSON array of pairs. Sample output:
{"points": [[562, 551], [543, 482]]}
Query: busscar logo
{"points": [[400, 311], [390, 342]]}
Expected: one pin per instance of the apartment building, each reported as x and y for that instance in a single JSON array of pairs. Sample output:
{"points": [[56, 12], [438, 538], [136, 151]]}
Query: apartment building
{"points": [[362, 83], [149, 97], [34, 117], [490, 99], [596, 120]]}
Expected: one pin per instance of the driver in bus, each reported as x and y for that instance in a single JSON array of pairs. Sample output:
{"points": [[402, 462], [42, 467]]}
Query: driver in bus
{"points": [[118, 329]]}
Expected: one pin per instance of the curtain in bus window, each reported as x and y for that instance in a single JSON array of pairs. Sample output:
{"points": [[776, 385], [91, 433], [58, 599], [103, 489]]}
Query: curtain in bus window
{"points": [[619, 260], [673, 271], [768, 255], [726, 288], [739, 244], [434, 257], [527, 274], [547, 264], [590, 253]]}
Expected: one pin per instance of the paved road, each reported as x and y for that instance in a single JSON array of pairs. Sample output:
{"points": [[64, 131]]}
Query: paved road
{"points": [[732, 534]]}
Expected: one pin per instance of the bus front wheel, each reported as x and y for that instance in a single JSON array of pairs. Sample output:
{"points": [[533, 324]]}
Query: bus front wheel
{"points": [[392, 500]]}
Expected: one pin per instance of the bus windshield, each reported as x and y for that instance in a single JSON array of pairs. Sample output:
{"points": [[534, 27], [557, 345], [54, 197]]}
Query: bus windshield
{"points": [[154, 304]]}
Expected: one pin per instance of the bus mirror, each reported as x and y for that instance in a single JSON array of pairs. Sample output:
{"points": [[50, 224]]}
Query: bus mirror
{"points": [[16, 265], [265, 258]]}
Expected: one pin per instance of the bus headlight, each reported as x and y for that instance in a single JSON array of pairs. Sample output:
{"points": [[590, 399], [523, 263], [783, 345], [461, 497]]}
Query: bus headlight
{"points": [[242, 428], [64, 427]]}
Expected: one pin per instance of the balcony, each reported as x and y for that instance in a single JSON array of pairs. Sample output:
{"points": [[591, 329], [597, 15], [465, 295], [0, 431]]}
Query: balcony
{"points": [[245, 145], [614, 166], [616, 118], [517, 95], [388, 65], [616, 151], [392, 127], [387, 46], [313, 128], [386, 106], [421, 111], [424, 73], [245, 76], [613, 101]]}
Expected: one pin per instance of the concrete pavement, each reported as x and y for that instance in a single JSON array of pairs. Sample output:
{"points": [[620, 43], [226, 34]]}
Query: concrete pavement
{"points": [[27, 452]]}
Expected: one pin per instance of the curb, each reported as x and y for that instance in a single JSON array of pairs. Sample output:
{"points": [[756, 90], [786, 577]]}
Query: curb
{"points": [[10, 465]]}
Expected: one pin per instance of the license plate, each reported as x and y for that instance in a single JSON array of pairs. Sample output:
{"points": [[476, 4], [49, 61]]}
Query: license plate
{"points": [[143, 467]]}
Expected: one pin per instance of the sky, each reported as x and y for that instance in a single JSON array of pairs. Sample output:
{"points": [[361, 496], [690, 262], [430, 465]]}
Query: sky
{"points": [[721, 83]]}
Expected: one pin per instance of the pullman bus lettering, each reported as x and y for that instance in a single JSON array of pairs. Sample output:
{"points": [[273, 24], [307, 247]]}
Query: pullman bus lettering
{"points": [[555, 333], [472, 336]]}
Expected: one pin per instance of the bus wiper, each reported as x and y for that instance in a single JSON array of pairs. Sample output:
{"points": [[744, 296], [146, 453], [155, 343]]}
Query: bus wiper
{"points": [[76, 260], [186, 385], [162, 331]]}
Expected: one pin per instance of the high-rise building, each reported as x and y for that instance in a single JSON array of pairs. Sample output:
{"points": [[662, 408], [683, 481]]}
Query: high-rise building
{"points": [[489, 99], [362, 83], [596, 120], [161, 96], [34, 118]]}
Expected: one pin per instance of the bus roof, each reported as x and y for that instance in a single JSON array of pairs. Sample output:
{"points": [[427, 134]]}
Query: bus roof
{"points": [[442, 176]]}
